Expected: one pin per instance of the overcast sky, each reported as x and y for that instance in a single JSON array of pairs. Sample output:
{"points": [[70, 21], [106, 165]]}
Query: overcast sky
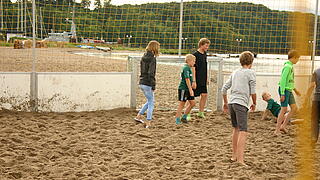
{"points": [[272, 4]]}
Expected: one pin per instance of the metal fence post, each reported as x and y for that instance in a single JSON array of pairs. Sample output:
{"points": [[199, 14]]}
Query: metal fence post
{"points": [[219, 85], [180, 28], [133, 69], [129, 64], [209, 80], [33, 78], [34, 91]]}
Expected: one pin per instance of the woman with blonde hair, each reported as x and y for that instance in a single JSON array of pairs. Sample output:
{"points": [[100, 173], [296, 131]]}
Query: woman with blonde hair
{"points": [[147, 81]]}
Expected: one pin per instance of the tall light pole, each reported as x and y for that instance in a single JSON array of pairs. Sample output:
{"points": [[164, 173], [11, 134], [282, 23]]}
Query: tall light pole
{"points": [[21, 17], [1, 14], [314, 44], [180, 27], [25, 17], [129, 37], [18, 17], [41, 34], [310, 47], [184, 42], [73, 25], [238, 40]]}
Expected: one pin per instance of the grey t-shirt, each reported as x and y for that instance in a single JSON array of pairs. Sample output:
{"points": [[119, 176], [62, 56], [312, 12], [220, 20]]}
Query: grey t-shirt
{"points": [[316, 79], [242, 83]]}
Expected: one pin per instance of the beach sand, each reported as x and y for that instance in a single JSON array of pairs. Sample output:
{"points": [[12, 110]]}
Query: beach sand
{"points": [[110, 145], [57, 60]]}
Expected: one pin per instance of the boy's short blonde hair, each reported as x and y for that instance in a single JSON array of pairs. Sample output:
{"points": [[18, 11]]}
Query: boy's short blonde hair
{"points": [[203, 41], [154, 47], [293, 54], [263, 94], [246, 58], [190, 57]]}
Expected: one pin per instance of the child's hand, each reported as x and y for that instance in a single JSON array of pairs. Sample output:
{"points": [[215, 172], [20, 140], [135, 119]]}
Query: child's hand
{"points": [[194, 85], [253, 107], [225, 108], [282, 98]]}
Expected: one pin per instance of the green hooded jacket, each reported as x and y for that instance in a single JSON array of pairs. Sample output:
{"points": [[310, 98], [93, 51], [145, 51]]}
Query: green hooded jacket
{"points": [[287, 78]]}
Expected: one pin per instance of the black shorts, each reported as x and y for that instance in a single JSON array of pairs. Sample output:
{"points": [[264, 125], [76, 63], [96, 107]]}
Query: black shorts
{"points": [[184, 95], [200, 90]]}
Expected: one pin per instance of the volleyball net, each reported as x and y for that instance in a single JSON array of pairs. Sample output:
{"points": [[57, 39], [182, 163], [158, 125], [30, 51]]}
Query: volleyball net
{"points": [[259, 26]]}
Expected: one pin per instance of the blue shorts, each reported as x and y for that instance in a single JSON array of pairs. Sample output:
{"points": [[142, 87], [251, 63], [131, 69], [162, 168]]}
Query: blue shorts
{"points": [[288, 100]]}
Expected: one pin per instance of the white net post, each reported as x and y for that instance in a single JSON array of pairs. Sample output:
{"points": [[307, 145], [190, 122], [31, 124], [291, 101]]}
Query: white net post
{"points": [[167, 82], [219, 85], [207, 107], [132, 67], [33, 81]]}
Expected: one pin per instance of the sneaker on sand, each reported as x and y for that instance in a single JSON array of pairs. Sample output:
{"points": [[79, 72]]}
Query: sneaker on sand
{"points": [[184, 120], [138, 120], [189, 117], [178, 121], [201, 115]]}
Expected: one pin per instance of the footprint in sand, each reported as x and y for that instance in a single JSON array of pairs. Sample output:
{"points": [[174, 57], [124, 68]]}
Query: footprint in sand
{"points": [[16, 175], [2, 162], [17, 140]]}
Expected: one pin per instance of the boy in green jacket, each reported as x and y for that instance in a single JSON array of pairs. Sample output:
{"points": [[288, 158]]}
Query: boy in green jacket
{"points": [[286, 86]]}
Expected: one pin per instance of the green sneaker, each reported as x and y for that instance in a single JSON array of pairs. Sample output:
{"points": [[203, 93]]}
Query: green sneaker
{"points": [[189, 117], [201, 115], [178, 121]]}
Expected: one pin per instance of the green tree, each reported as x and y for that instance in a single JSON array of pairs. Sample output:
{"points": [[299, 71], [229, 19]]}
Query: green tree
{"points": [[85, 3], [97, 4], [106, 3]]}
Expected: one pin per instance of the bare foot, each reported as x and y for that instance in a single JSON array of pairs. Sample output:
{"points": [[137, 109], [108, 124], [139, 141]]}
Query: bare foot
{"points": [[284, 130], [276, 133], [147, 124], [233, 159], [242, 164]]}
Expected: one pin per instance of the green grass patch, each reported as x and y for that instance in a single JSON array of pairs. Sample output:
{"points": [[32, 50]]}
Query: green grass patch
{"points": [[6, 44]]}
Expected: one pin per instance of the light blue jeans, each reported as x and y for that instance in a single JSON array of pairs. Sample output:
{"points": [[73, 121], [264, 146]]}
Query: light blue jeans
{"points": [[149, 105]]}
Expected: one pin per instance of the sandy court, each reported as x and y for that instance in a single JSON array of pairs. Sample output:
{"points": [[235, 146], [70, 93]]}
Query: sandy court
{"points": [[110, 145], [57, 60]]}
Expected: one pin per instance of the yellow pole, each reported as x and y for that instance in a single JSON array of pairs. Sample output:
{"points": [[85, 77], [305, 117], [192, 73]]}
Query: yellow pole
{"points": [[301, 23]]}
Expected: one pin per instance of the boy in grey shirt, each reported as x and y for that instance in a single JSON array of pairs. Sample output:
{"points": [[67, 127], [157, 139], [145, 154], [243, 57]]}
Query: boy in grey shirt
{"points": [[243, 85]]}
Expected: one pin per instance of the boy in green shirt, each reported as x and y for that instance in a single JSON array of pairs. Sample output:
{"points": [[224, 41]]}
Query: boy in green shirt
{"points": [[286, 86], [272, 106], [185, 91]]}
